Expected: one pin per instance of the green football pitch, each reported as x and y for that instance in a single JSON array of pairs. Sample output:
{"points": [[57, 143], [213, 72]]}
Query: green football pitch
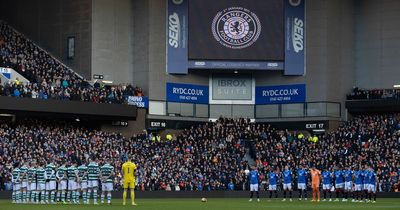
{"points": [[214, 203]]}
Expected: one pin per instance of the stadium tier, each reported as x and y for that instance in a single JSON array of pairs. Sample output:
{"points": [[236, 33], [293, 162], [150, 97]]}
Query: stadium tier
{"points": [[48, 77]]}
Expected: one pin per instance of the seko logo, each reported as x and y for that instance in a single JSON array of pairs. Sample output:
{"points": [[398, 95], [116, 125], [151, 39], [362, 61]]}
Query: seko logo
{"points": [[298, 35], [173, 30]]}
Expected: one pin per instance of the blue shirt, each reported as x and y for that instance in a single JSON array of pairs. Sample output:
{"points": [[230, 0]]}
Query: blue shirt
{"points": [[372, 178], [338, 177], [359, 177], [366, 177], [326, 177], [348, 175], [231, 186], [272, 178], [287, 176], [253, 177], [301, 176]]}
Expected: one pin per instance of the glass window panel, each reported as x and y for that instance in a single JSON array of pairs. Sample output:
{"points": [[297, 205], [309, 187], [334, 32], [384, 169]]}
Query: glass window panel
{"points": [[292, 110], [267, 111], [316, 109], [217, 111], [245, 111], [333, 109], [201, 110], [187, 109]]}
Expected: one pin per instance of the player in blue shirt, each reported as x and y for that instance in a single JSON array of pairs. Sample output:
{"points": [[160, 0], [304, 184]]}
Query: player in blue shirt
{"points": [[327, 183], [348, 184], [287, 183], [366, 183], [302, 182], [358, 175], [339, 183], [272, 180], [254, 180], [372, 184]]}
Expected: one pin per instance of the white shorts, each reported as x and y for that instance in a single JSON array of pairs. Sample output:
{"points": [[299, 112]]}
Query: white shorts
{"points": [[93, 183], [287, 186], [24, 184], [348, 186], [372, 188], [358, 187], [253, 187], [339, 186], [365, 186], [83, 185], [326, 186], [72, 185], [272, 187], [62, 185], [51, 185], [41, 187], [301, 186], [16, 187], [32, 186], [109, 187]]}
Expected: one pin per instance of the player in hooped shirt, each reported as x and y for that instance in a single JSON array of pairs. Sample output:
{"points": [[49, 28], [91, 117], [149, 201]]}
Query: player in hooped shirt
{"points": [[302, 182], [254, 180], [287, 183]]}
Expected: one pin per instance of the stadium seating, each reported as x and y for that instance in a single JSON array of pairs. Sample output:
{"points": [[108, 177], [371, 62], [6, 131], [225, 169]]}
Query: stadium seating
{"points": [[50, 79], [210, 155]]}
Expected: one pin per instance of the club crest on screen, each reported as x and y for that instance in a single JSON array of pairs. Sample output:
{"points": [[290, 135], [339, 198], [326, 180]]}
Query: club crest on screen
{"points": [[236, 27]]}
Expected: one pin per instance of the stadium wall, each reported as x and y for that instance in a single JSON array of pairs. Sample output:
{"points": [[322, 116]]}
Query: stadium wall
{"points": [[50, 22], [377, 43], [112, 36]]}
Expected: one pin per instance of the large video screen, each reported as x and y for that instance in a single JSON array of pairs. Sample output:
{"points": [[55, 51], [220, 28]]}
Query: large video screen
{"points": [[236, 30]]}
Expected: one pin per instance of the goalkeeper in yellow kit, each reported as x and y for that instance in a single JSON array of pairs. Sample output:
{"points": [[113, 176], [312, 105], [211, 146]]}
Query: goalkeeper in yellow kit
{"points": [[128, 172]]}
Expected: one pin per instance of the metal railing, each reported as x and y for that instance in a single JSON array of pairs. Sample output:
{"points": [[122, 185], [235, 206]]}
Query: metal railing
{"points": [[268, 111]]}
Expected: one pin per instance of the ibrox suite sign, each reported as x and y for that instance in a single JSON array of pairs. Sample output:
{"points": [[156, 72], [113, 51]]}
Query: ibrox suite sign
{"points": [[187, 93]]}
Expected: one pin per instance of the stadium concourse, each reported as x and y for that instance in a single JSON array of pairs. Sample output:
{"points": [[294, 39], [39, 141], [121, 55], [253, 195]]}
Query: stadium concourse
{"points": [[209, 156], [48, 78]]}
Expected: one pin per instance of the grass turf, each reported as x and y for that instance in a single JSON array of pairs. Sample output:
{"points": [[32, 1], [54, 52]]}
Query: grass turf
{"points": [[213, 203]]}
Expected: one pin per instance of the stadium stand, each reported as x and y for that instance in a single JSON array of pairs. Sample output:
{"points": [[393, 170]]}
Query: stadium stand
{"points": [[50, 79], [362, 94], [208, 156]]}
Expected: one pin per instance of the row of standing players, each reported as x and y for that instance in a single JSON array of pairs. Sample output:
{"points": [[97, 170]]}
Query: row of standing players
{"points": [[46, 184], [360, 183]]}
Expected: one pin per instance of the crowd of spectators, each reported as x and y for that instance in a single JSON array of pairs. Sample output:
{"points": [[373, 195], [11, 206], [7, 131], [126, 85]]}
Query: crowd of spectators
{"points": [[49, 78], [362, 94], [210, 156], [371, 140], [97, 94]]}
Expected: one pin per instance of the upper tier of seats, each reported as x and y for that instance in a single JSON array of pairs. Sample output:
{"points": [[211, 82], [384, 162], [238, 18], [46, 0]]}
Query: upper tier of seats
{"points": [[49, 78]]}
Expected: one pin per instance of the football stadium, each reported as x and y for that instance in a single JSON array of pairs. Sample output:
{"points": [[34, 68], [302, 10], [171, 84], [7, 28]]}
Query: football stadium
{"points": [[199, 104]]}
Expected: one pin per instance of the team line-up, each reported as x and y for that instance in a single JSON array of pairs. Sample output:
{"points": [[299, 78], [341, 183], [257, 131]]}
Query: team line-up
{"points": [[46, 184], [360, 183]]}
